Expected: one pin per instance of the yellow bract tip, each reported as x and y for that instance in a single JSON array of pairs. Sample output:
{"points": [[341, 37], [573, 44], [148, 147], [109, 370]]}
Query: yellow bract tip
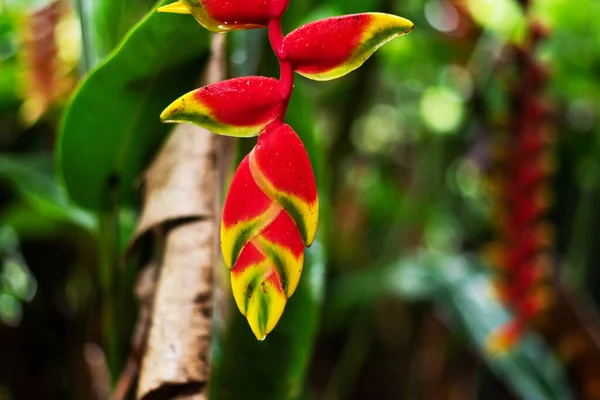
{"points": [[183, 109], [178, 7]]}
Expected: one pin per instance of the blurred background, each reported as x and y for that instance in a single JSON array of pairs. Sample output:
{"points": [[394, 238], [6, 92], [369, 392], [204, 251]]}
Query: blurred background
{"points": [[458, 171]]}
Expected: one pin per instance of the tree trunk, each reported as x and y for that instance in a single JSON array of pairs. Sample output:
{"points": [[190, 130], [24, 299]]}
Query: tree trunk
{"points": [[182, 190]]}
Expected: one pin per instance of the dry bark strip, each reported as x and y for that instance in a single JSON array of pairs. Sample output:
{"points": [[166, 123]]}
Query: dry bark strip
{"points": [[145, 290], [182, 195], [181, 182], [176, 363]]}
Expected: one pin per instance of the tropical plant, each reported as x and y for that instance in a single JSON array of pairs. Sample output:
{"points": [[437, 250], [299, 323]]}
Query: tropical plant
{"points": [[272, 208], [446, 189]]}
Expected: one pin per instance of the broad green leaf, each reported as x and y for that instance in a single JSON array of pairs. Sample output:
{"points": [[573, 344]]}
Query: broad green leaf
{"points": [[104, 23], [112, 20], [244, 368], [112, 128]]}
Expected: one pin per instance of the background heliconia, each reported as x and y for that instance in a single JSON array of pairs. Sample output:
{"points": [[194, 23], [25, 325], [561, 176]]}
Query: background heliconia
{"points": [[272, 206]]}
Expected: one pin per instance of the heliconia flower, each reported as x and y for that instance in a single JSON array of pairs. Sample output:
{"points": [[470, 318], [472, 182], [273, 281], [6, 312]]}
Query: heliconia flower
{"points": [[521, 253], [533, 142], [521, 281], [272, 209], [270, 214], [534, 172], [332, 47], [223, 16], [239, 107], [527, 210], [508, 257]]}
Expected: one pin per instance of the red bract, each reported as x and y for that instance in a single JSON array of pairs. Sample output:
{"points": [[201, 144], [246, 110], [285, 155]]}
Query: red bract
{"points": [[272, 208], [282, 169], [332, 47], [223, 16], [237, 107]]}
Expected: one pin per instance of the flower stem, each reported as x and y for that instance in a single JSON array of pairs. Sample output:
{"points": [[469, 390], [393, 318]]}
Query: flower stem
{"points": [[286, 77]]}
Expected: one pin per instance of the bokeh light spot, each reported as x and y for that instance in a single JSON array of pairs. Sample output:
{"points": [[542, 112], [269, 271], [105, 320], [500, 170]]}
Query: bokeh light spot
{"points": [[441, 109], [442, 15]]}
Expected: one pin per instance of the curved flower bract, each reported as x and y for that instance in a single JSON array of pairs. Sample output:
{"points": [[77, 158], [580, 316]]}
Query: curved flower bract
{"points": [[239, 107], [223, 16], [330, 48]]}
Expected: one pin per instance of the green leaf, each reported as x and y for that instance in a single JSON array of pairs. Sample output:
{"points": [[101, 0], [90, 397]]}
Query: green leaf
{"points": [[112, 20], [111, 128], [32, 177], [275, 368]]}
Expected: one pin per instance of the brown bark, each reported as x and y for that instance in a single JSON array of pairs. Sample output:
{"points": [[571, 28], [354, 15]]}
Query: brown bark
{"points": [[176, 363], [182, 197]]}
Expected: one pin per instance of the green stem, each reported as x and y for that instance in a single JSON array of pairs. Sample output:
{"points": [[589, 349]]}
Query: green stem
{"points": [[89, 51], [356, 349], [109, 261]]}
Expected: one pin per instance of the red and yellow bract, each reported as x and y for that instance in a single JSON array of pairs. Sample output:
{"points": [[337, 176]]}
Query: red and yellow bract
{"points": [[223, 16], [272, 209], [239, 107], [332, 47]]}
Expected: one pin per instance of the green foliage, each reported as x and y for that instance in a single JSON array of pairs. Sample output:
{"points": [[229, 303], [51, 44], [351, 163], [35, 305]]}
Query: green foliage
{"points": [[33, 179], [112, 20], [23, 6], [459, 286], [9, 78], [17, 284], [111, 128], [467, 294]]}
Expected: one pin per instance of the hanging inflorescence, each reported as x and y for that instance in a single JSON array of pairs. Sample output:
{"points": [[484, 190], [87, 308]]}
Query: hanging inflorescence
{"points": [[521, 252], [271, 210]]}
